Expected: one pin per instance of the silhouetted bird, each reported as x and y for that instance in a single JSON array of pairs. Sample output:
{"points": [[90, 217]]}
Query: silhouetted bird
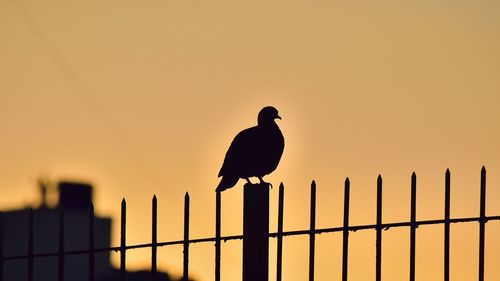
{"points": [[254, 152]]}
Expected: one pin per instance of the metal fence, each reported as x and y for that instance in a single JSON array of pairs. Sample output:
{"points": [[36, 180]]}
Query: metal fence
{"points": [[379, 227]]}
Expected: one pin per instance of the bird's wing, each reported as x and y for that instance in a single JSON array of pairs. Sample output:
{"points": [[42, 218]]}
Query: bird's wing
{"points": [[277, 152], [239, 152]]}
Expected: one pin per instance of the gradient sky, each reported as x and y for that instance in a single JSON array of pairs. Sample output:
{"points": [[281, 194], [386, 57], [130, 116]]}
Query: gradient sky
{"points": [[144, 97]]}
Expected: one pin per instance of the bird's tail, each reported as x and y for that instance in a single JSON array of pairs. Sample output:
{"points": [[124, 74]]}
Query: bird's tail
{"points": [[226, 183]]}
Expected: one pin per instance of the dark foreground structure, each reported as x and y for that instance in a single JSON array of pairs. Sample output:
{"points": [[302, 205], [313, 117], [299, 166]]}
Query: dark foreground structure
{"points": [[74, 202], [25, 237]]}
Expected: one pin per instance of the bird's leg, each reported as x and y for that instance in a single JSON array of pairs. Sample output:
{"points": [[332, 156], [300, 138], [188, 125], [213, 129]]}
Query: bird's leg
{"points": [[248, 181], [263, 182]]}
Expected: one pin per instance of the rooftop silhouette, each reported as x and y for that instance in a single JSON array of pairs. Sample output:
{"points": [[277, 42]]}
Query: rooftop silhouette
{"points": [[75, 198]]}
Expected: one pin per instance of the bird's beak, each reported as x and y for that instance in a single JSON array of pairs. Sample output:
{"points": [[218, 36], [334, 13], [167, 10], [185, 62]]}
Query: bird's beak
{"points": [[278, 117]]}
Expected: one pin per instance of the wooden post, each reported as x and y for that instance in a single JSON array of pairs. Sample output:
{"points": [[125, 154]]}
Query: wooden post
{"points": [[256, 232]]}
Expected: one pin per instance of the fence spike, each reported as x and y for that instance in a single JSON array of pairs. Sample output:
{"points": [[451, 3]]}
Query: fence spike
{"points": [[30, 244], [217, 234], [60, 267], [1, 245], [91, 243], [154, 237], [482, 223], [413, 225], [123, 240], [378, 255], [312, 228], [345, 231], [185, 271], [279, 237], [447, 226]]}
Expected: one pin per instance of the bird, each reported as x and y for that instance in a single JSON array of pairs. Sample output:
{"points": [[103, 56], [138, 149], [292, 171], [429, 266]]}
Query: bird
{"points": [[254, 152]]}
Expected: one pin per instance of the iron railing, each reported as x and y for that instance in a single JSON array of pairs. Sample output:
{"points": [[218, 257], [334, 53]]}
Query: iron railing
{"points": [[186, 242]]}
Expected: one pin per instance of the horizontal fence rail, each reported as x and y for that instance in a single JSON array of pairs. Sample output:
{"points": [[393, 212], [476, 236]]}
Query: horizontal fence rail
{"points": [[345, 229], [351, 228]]}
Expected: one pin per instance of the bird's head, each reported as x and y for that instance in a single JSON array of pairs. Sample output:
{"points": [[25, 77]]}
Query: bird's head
{"points": [[267, 115]]}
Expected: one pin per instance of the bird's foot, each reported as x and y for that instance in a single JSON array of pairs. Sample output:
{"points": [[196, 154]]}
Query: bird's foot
{"points": [[263, 182]]}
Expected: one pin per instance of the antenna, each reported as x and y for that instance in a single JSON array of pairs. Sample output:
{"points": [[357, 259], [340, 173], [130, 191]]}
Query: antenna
{"points": [[43, 187]]}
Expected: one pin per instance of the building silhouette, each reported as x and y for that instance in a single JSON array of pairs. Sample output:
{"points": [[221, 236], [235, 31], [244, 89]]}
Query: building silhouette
{"points": [[74, 199]]}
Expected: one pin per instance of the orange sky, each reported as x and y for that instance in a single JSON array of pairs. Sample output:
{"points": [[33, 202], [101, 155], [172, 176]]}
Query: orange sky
{"points": [[144, 97]]}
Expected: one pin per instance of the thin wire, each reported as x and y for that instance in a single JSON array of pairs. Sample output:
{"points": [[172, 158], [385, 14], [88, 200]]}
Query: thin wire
{"points": [[80, 88], [317, 231], [53, 53]]}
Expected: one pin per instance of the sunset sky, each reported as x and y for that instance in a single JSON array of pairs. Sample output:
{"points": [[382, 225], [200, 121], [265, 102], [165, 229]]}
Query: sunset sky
{"points": [[144, 98]]}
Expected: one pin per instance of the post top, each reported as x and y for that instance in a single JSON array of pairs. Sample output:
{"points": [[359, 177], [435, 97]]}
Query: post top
{"points": [[257, 185]]}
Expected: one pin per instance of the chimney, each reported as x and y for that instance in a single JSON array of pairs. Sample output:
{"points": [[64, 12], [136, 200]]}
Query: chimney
{"points": [[74, 195]]}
